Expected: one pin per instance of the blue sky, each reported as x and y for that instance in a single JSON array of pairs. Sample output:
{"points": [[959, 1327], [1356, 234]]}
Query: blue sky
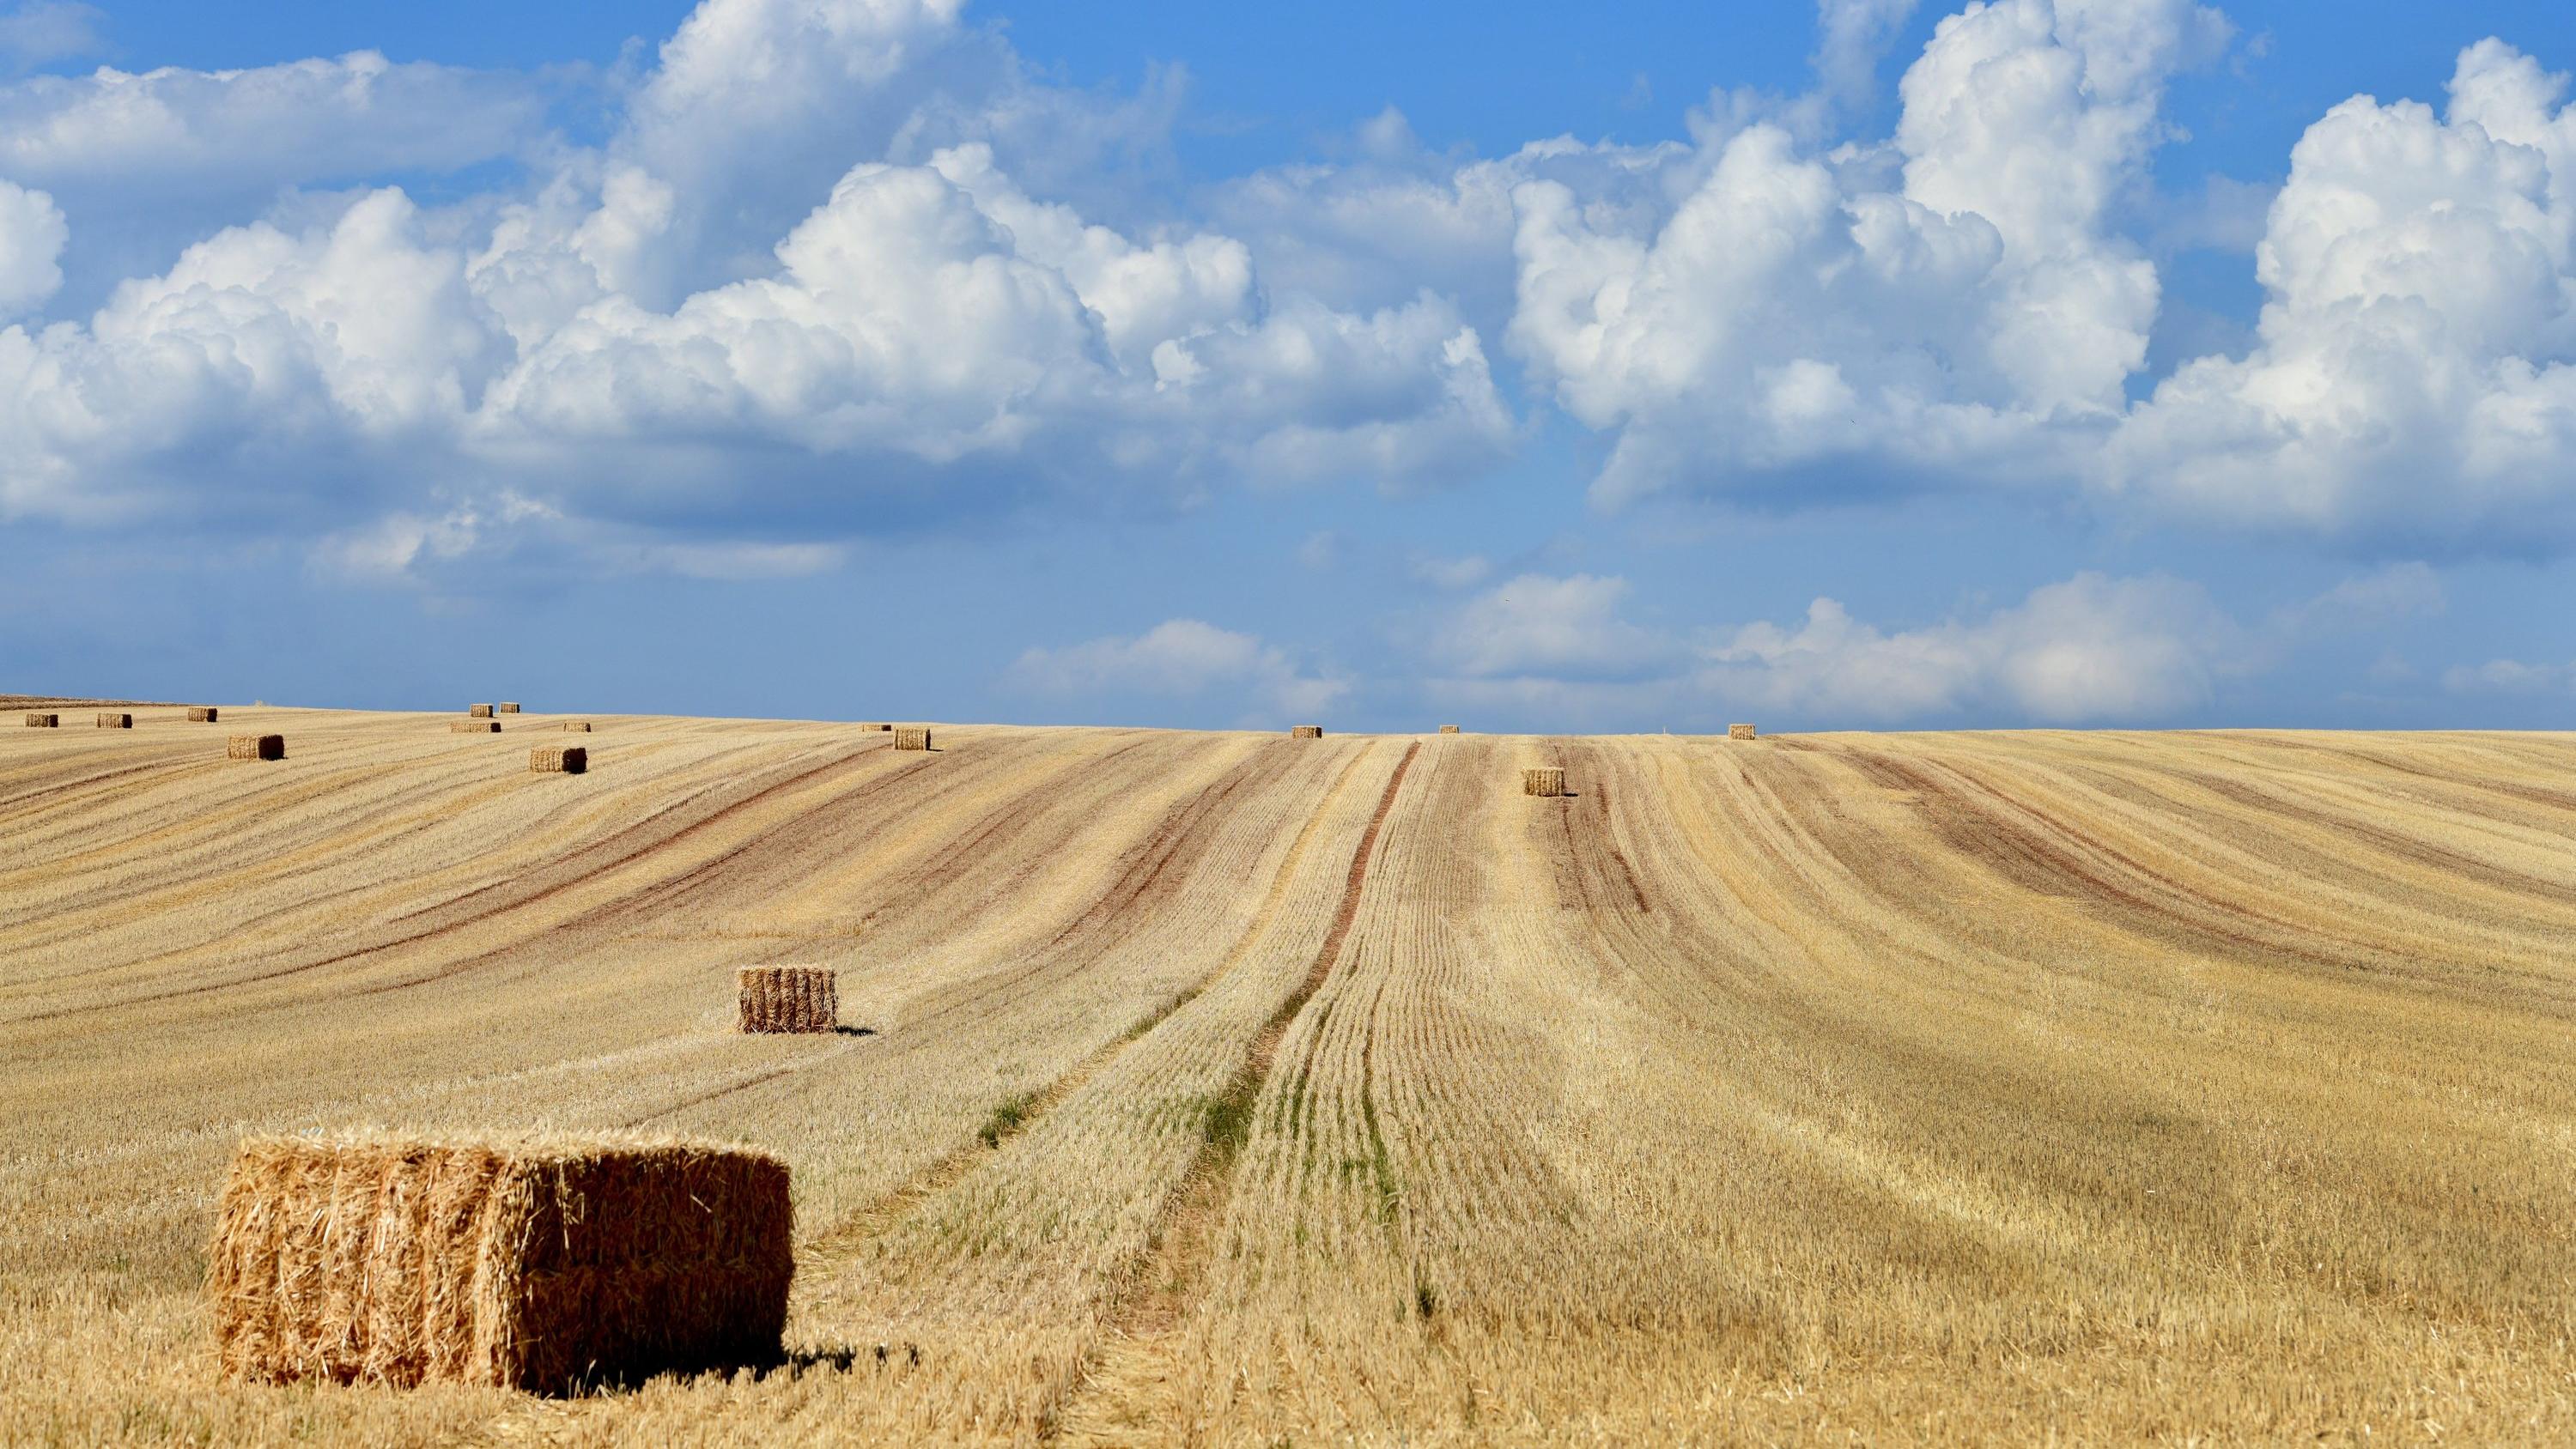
{"points": [[1873, 364]]}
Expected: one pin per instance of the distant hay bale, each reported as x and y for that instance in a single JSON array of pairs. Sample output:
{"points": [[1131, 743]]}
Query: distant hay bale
{"points": [[1448, 729], [255, 747], [37, 721], [1739, 732], [558, 760], [912, 738], [789, 998], [478, 711], [509, 708], [867, 727], [1543, 780], [578, 726], [1307, 732], [542, 1265], [111, 720], [474, 727], [201, 714]]}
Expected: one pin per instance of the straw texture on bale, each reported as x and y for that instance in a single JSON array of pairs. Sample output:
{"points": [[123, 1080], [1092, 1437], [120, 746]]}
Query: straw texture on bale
{"points": [[1448, 729], [255, 747], [474, 727], [542, 1265], [1543, 780], [1739, 732], [1307, 732], [577, 726], [111, 720], [202, 714], [790, 998], [558, 760], [876, 727], [478, 711], [37, 721], [911, 738], [509, 708]]}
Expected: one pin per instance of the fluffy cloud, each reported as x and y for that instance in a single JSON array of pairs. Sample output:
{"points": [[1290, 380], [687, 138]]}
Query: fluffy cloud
{"points": [[1181, 658], [32, 234], [2510, 676], [2412, 376], [1563, 628], [37, 31]]}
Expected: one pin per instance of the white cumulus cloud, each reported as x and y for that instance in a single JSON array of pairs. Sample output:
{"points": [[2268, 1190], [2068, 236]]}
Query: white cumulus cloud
{"points": [[1181, 658]]}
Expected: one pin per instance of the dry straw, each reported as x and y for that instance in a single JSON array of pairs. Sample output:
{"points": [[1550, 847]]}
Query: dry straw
{"points": [[912, 738], [202, 714], [1307, 732], [1543, 780], [1739, 732], [37, 721], [478, 711], [474, 727], [111, 720], [508, 707], [540, 1264], [255, 747], [577, 726], [558, 760], [876, 727], [1448, 729], [790, 998]]}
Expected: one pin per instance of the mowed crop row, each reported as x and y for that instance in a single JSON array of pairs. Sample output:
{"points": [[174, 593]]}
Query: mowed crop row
{"points": [[1230, 1087]]}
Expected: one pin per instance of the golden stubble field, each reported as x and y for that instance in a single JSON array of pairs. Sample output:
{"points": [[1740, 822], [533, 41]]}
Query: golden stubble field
{"points": [[1222, 1088]]}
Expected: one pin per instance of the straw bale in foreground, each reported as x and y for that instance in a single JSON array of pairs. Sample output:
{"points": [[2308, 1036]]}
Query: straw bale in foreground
{"points": [[474, 727], [558, 759], [37, 721], [1307, 732], [255, 747], [1543, 780], [912, 738], [1739, 732], [202, 714], [109, 719], [543, 1265], [790, 998]]}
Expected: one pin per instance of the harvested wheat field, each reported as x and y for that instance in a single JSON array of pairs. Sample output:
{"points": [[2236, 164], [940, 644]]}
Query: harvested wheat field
{"points": [[1224, 1088]]}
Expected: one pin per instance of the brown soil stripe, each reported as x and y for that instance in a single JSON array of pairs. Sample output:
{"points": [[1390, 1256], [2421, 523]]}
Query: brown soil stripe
{"points": [[1153, 1295]]}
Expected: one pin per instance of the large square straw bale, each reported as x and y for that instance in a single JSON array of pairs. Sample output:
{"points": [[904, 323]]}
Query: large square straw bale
{"points": [[202, 714], [1307, 732], [37, 721], [509, 707], [1739, 732], [790, 998], [1448, 729], [113, 720], [558, 759], [474, 727], [539, 1264], [577, 726], [1543, 780], [255, 747], [478, 711], [912, 738]]}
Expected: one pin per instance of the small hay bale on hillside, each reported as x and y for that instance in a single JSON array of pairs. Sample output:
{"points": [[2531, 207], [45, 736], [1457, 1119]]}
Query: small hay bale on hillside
{"points": [[912, 738], [1448, 729], [202, 714], [1739, 732], [255, 747], [558, 760], [1543, 780], [509, 707], [578, 726], [478, 711], [112, 720], [543, 1265], [1307, 732], [789, 999], [474, 727], [37, 721]]}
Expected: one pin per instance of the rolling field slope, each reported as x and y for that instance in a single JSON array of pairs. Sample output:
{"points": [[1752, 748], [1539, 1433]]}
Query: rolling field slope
{"points": [[1227, 1088]]}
